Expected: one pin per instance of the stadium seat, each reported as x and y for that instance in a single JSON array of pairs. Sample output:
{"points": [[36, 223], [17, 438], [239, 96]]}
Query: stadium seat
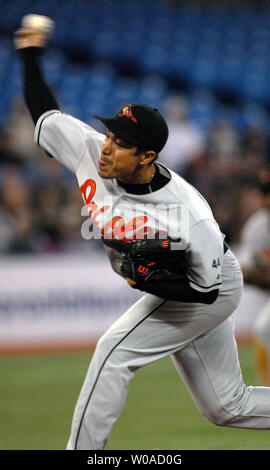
{"points": [[214, 49]]}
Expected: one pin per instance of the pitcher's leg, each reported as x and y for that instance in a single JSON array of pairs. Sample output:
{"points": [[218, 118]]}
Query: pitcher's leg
{"points": [[150, 330], [210, 369], [106, 384]]}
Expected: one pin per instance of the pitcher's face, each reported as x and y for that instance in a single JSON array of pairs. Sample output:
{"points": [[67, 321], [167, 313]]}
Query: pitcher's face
{"points": [[117, 159]]}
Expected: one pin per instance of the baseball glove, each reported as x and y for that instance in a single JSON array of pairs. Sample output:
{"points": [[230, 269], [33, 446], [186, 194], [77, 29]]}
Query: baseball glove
{"points": [[155, 259]]}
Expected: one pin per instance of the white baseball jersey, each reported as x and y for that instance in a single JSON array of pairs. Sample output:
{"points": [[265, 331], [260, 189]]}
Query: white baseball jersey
{"points": [[78, 147]]}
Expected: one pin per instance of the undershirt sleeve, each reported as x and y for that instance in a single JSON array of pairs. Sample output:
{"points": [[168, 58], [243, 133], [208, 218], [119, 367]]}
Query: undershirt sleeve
{"points": [[37, 94], [177, 290]]}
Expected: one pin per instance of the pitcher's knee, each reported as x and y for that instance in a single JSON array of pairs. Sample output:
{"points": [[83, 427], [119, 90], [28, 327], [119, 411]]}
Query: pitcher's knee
{"points": [[226, 410], [109, 352], [218, 416], [224, 414], [105, 345]]}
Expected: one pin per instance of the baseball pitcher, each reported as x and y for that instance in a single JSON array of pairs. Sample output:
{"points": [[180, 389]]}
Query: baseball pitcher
{"points": [[178, 258]]}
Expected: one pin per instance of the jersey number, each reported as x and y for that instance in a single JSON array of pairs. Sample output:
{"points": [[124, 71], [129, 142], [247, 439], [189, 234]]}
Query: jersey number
{"points": [[216, 263]]}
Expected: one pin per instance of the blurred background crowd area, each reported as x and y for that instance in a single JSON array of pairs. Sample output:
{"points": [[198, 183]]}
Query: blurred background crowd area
{"points": [[205, 66]]}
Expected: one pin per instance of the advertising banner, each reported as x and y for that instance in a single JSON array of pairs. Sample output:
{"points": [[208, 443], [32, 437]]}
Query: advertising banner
{"points": [[58, 301], [67, 301]]}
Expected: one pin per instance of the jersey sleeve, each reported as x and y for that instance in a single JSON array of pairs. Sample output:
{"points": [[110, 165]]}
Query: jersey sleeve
{"points": [[64, 138], [205, 256]]}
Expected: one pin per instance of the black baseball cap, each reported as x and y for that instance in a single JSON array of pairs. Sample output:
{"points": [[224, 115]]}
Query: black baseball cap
{"points": [[139, 125]]}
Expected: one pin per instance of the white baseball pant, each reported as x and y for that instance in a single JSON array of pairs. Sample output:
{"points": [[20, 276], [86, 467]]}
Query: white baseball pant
{"points": [[199, 338]]}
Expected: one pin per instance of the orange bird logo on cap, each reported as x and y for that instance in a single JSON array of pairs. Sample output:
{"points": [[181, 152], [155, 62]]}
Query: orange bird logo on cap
{"points": [[127, 112]]}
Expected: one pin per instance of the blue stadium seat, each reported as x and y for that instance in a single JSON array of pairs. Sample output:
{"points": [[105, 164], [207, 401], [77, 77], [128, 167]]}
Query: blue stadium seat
{"points": [[203, 107], [152, 91], [216, 49], [54, 64], [254, 115]]}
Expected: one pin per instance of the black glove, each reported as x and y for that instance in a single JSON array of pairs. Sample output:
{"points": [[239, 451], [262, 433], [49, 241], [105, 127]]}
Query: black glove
{"points": [[155, 259]]}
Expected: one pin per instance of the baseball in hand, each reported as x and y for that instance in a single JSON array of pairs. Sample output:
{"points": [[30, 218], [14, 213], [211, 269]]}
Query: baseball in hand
{"points": [[35, 31], [38, 23]]}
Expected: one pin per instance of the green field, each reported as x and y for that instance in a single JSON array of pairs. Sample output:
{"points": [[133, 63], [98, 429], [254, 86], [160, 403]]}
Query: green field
{"points": [[38, 394]]}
